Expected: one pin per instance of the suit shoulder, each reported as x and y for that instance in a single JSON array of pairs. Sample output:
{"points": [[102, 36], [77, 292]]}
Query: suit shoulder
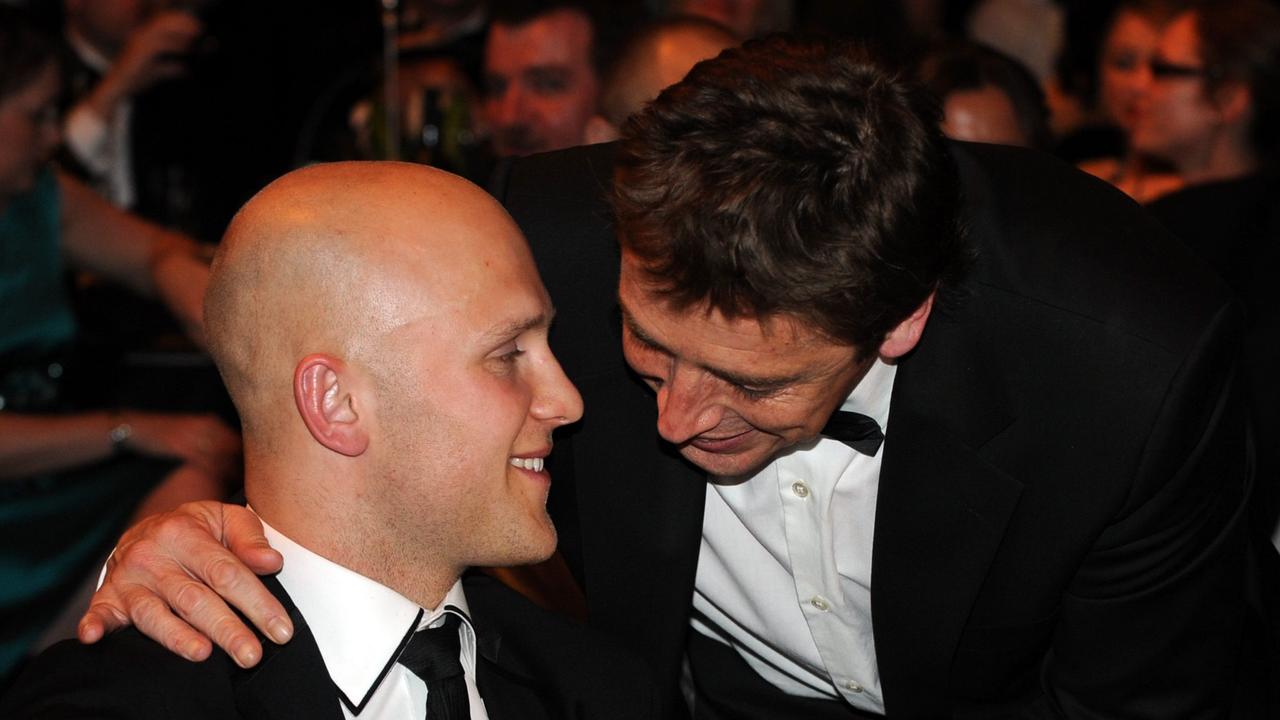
{"points": [[1048, 233], [125, 675]]}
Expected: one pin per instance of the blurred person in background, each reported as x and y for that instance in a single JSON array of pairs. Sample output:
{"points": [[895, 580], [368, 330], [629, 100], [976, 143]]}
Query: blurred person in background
{"points": [[1214, 113], [71, 477], [116, 50], [437, 23], [542, 75], [1124, 77], [1030, 30], [744, 18], [121, 103], [986, 96], [658, 55]]}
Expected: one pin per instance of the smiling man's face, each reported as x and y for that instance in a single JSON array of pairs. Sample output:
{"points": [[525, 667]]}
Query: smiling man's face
{"points": [[732, 393], [468, 389]]}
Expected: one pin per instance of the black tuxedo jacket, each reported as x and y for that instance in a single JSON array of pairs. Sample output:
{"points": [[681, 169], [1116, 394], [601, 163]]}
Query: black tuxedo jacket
{"points": [[1057, 530], [529, 665]]}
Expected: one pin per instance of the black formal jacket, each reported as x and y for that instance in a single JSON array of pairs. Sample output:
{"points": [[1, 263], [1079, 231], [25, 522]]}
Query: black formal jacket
{"points": [[530, 664], [1057, 530]]}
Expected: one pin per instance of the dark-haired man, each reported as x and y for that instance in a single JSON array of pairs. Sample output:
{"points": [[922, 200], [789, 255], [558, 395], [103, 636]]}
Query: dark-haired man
{"points": [[896, 472], [542, 85]]}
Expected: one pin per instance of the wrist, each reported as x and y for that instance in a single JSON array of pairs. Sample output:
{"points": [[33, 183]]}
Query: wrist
{"points": [[119, 433], [103, 99]]}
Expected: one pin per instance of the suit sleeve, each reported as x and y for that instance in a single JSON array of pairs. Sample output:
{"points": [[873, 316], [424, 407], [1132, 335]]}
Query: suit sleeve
{"points": [[125, 677], [1151, 625]]}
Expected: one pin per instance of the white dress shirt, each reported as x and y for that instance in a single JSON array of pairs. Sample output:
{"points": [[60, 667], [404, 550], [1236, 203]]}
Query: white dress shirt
{"points": [[101, 144], [784, 572], [361, 626]]}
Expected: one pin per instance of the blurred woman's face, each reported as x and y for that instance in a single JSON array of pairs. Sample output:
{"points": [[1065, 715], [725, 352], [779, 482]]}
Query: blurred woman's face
{"points": [[1124, 68], [1177, 119], [28, 132]]}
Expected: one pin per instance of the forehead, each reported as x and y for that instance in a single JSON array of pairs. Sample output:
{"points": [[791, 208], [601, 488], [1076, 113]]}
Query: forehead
{"points": [[1132, 29], [561, 37], [1180, 39], [438, 254], [462, 298], [748, 346]]}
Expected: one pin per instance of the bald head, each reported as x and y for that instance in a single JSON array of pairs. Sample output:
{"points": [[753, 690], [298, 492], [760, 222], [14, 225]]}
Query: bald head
{"points": [[329, 258]]}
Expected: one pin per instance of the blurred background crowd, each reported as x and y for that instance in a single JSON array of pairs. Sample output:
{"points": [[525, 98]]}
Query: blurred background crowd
{"points": [[131, 131]]}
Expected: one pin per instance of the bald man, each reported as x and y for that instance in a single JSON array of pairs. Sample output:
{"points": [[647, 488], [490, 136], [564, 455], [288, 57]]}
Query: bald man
{"points": [[383, 333]]}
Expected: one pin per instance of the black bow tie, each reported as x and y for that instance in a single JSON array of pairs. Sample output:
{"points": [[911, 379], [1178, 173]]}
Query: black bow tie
{"points": [[855, 430]]}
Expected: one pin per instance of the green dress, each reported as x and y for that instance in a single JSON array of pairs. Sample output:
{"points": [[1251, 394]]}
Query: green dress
{"points": [[53, 526]]}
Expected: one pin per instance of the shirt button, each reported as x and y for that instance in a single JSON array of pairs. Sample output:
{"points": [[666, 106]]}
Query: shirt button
{"points": [[820, 603], [852, 686], [55, 370], [800, 489]]}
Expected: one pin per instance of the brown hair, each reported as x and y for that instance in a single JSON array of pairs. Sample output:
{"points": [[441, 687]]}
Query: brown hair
{"points": [[1240, 43], [792, 176]]}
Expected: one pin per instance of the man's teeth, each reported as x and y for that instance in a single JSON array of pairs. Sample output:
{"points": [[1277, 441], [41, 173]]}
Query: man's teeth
{"points": [[534, 464]]}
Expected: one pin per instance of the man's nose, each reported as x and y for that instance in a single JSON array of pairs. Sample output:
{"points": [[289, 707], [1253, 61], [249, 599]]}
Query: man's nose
{"points": [[1143, 77], [686, 406], [557, 400]]}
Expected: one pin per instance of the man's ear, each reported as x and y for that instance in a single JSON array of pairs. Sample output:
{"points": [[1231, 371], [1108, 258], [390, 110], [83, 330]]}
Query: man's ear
{"points": [[1233, 100], [903, 338], [323, 392]]}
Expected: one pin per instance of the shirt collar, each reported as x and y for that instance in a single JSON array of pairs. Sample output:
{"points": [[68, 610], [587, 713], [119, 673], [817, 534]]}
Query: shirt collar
{"points": [[871, 395], [360, 626]]}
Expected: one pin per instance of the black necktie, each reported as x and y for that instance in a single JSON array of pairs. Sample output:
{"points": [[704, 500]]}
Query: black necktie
{"points": [[855, 430], [432, 654]]}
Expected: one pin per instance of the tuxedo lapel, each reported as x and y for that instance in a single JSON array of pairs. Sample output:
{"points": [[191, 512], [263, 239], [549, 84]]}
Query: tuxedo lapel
{"points": [[291, 681], [508, 696], [641, 510], [638, 504], [941, 513], [505, 685]]}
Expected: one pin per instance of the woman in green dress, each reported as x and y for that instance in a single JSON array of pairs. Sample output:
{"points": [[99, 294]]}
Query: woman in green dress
{"points": [[71, 476]]}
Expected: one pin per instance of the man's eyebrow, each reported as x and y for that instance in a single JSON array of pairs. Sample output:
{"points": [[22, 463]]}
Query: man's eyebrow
{"points": [[764, 384], [638, 332], [510, 329], [759, 384], [548, 72]]}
